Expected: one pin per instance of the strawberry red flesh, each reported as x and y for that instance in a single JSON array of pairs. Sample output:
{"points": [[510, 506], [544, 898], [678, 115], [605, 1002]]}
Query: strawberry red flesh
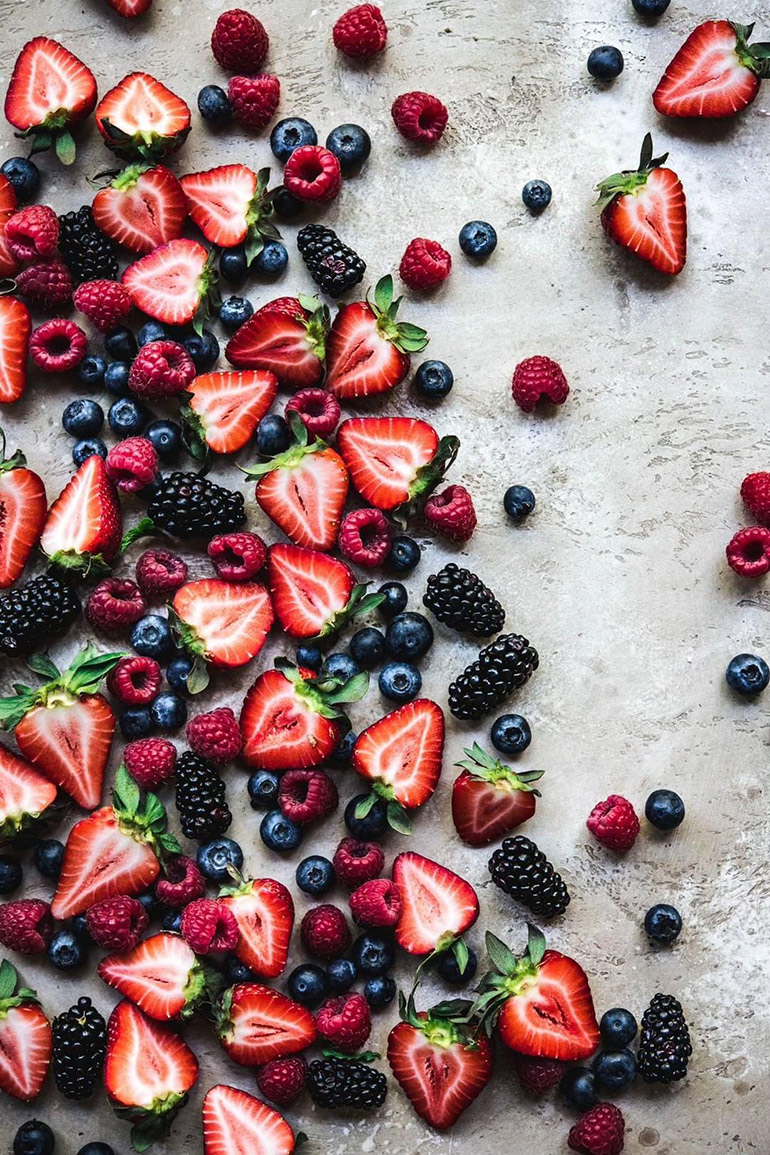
{"points": [[15, 329], [257, 1024], [142, 118], [84, 525], [291, 346], [438, 905], [50, 89], [229, 206], [393, 460], [25, 1038], [235, 1123], [310, 591], [23, 509], [161, 975], [142, 208], [171, 283], [224, 408], [264, 911], [715, 73], [25, 795], [401, 753]]}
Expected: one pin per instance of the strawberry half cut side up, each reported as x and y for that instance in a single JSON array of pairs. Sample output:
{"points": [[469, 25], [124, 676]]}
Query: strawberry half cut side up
{"points": [[176, 283], [50, 90], [292, 345], [236, 1123], [220, 623], [541, 1003], [715, 73], [142, 208], [163, 976], [437, 908], [264, 911], [256, 1024], [25, 1038], [15, 329], [223, 409], [25, 796], [230, 205], [84, 525], [141, 119], [489, 799], [644, 210], [23, 509], [314, 595]]}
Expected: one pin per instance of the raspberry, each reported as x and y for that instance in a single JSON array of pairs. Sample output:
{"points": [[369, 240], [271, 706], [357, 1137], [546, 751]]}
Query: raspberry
{"points": [[150, 761], [755, 491], [237, 557], [419, 117], [748, 553], [114, 605], [58, 345], [376, 903], [599, 1132], [215, 735], [132, 464], [239, 42], [161, 369], [538, 1076], [47, 284], [254, 99], [361, 31], [281, 1080], [424, 264], [307, 795], [356, 862], [344, 1022], [209, 926], [538, 379], [365, 537], [451, 513], [135, 681], [26, 925], [614, 823], [160, 572], [312, 173], [318, 410], [183, 883], [324, 931], [117, 923], [32, 234], [105, 303]]}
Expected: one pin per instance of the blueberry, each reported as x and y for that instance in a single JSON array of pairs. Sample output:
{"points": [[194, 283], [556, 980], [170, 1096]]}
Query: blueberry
{"points": [[342, 752], [127, 417], [169, 710], [86, 448], [150, 903], [341, 973], [272, 435], [136, 722], [518, 502], [80, 926], [10, 874], [536, 195], [373, 954], [24, 175], [579, 1087], [49, 855], [166, 437], [237, 972], [280, 833], [307, 984], [511, 734], [272, 260], [217, 856], [315, 874], [151, 637], [399, 681], [234, 312], [351, 145], [650, 8], [172, 920], [380, 991], [409, 635], [404, 554], [233, 266], [151, 331], [340, 666], [177, 673], [664, 809], [310, 657], [82, 417], [433, 380], [121, 344], [91, 371], [396, 598], [203, 349], [605, 63], [96, 1149], [289, 134], [286, 206], [367, 647], [263, 788], [618, 1027], [67, 950], [747, 674], [663, 923], [478, 239], [33, 1137], [116, 378], [214, 105], [615, 1069], [372, 825]]}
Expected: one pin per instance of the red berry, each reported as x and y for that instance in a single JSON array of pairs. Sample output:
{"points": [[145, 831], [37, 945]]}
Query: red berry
{"points": [[47, 284], [209, 926], [237, 557], [239, 42], [161, 369], [32, 234], [215, 735], [135, 681], [599, 1132], [254, 99], [614, 823], [307, 795], [356, 862], [287, 306], [58, 345], [748, 552], [105, 303], [538, 1076], [424, 264], [318, 410], [376, 903], [281, 1080], [26, 925], [345, 1022], [117, 923], [160, 572], [361, 31], [114, 605], [451, 513], [365, 537], [755, 491], [312, 173], [150, 761], [132, 464], [183, 883], [538, 379], [419, 117], [324, 931]]}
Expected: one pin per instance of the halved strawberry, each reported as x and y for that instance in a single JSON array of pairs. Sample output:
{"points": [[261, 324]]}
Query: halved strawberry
{"points": [[235, 1123], [142, 208], [368, 349], [401, 756], [313, 594], [541, 1002], [222, 624], [715, 73], [113, 851], [50, 90], [23, 509], [438, 905], [148, 1073], [130, 8], [8, 198], [230, 206], [292, 345], [394, 461], [489, 799], [264, 911], [9, 264], [256, 1024], [25, 795], [173, 283], [162, 975], [84, 525], [25, 1038], [223, 409], [293, 721], [15, 328], [644, 210], [142, 118]]}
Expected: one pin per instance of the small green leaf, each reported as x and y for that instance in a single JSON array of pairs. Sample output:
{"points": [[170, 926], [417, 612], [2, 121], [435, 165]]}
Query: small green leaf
{"points": [[398, 818], [65, 148], [126, 793], [41, 664], [461, 953], [145, 527], [503, 959], [383, 294], [198, 678], [365, 805], [535, 944], [8, 980]]}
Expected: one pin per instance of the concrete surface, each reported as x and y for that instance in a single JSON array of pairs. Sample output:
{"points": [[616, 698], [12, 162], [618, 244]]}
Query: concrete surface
{"points": [[618, 578]]}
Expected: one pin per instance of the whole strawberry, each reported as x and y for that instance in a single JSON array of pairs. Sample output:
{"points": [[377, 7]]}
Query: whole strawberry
{"points": [[208, 926], [105, 303], [425, 264], [376, 903], [32, 234], [614, 823], [132, 464], [215, 735], [239, 42], [161, 369], [538, 379], [360, 32], [282, 1080], [755, 491], [183, 882], [599, 1132], [325, 932], [150, 761], [451, 513], [26, 925], [419, 117], [117, 923], [344, 1023], [254, 99]]}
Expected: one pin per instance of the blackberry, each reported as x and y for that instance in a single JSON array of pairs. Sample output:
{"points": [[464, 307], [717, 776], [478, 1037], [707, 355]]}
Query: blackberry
{"points": [[79, 1047], [346, 1083], [200, 798], [664, 1042], [334, 266], [33, 614], [460, 600], [520, 869], [186, 505], [486, 683], [88, 253]]}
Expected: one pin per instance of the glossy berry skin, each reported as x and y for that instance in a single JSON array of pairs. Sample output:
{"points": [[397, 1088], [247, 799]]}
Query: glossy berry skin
{"points": [[478, 239], [136, 722], [169, 711], [280, 833], [263, 787], [171, 921], [291, 133], [664, 810], [351, 145], [399, 681], [233, 266], [116, 378], [605, 63], [272, 261], [165, 438], [214, 105], [396, 599], [372, 954], [151, 637], [367, 647], [663, 923], [234, 312], [272, 435], [371, 826], [340, 666], [618, 1027], [307, 984], [24, 175], [404, 554], [286, 206], [34, 1138], [449, 969], [409, 636], [151, 331], [127, 418], [650, 8], [433, 380], [615, 1069], [177, 673], [96, 1149], [203, 349], [216, 856], [91, 371], [380, 991], [82, 417], [237, 972], [10, 874], [511, 734], [747, 674], [579, 1087], [315, 875], [518, 502], [121, 344], [310, 657], [67, 950], [536, 195], [49, 855], [340, 756], [86, 448], [341, 973]]}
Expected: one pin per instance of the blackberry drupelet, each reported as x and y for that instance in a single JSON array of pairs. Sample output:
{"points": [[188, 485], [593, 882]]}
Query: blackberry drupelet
{"points": [[520, 869], [200, 798], [664, 1042], [460, 600], [35, 613], [346, 1083], [486, 683], [334, 266], [88, 253], [79, 1047], [185, 505]]}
